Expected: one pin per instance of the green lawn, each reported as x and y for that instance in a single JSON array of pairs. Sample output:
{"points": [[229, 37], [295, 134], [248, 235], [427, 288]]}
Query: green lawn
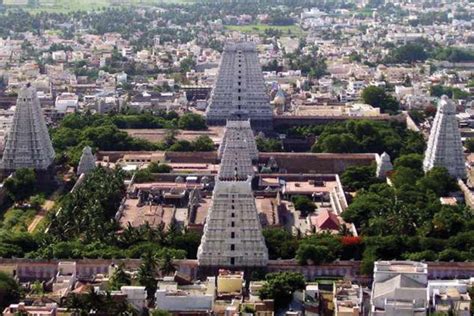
{"points": [[260, 28]]}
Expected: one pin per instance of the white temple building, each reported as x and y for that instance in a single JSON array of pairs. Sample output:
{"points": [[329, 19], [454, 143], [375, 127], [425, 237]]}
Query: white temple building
{"points": [[87, 161], [239, 91], [233, 233], [236, 131], [384, 165], [28, 144], [444, 144]]}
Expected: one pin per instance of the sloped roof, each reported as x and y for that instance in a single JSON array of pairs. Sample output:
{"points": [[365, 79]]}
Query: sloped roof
{"points": [[326, 220], [399, 281]]}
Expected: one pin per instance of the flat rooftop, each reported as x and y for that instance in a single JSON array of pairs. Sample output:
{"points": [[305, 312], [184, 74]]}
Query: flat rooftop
{"points": [[401, 266], [137, 215]]}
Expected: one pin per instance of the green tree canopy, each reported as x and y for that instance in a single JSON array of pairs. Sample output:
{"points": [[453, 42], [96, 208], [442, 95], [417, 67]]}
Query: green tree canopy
{"points": [[21, 185], [281, 286], [377, 97], [9, 290]]}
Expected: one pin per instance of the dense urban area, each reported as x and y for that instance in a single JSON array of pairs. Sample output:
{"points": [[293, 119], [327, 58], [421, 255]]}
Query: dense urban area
{"points": [[254, 158]]}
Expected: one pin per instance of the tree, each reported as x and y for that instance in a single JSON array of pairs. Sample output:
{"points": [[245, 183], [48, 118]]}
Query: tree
{"points": [[312, 253], [469, 144], [336, 143], [155, 167], [166, 264], [304, 204], [203, 143], [9, 290], [191, 121], [281, 286], [146, 274], [377, 97], [21, 185], [409, 53], [439, 181], [268, 144], [280, 243], [358, 177], [119, 278]]}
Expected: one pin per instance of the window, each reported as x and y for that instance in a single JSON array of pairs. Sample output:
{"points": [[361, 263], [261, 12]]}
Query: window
{"points": [[232, 215], [232, 235], [232, 260], [232, 224], [232, 247]]}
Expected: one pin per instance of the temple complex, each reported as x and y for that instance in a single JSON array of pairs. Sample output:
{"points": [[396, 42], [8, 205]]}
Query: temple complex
{"points": [[444, 144], [28, 144], [87, 161], [233, 233], [239, 91]]}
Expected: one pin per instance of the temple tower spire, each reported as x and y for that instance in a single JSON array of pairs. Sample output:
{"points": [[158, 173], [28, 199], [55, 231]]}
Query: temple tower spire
{"points": [[233, 233], [28, 144], [444, 144], [239, 91], [87, 161]]}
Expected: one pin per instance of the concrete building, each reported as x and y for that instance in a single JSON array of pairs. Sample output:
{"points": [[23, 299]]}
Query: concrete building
{"points": [[28, 144], [347, 299], [450, 295], [230, 283], [239, 91], [444, 144], [66, 101], [196, 298], [65, 278], [136, 296], [399, 288], [49, 309]]}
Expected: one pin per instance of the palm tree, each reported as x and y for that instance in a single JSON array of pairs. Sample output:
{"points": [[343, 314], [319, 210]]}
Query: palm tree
{"points": [[146, 274], [166, 264], [119, 278]]}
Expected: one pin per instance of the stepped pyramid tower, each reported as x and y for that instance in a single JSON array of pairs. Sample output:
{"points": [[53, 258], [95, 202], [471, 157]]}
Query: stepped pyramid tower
{"points": [[233, 233], [28, 144], [237, 151], [239, 91], [87, 161], [444, 144], [236, 131]]}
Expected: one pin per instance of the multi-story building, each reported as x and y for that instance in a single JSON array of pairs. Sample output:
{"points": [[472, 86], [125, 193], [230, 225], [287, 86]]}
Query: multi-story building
{"points": [[399, 288]]}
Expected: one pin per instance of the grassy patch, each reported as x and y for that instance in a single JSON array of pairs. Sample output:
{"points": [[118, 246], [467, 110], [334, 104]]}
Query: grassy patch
{"points": [[18, 220], [293, 30]]}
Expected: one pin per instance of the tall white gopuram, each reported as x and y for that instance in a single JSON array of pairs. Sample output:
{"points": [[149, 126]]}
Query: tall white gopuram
{"points": [[233, 233], [239, 91], [87, 161], [28, 144], [444, 145], [239, 131]]}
